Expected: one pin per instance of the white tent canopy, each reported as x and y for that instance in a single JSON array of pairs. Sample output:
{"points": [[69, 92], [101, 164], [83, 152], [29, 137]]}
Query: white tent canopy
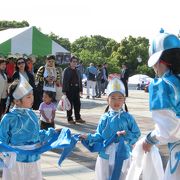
{"points": [[139, 78], [10, 33], [28, 41]]}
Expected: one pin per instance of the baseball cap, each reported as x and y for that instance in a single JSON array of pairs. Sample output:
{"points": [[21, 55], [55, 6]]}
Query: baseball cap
{"points": [[161, 43]]}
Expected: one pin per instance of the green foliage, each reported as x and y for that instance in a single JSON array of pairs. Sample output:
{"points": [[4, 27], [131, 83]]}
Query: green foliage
{"points": [[12, 24], [64, 42], [127, 52], [113, 65], [144, 69], [98, 49], [95, 49]]}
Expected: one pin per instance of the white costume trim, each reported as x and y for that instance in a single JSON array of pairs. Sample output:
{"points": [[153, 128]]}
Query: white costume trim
{"points": [[149, 164]]}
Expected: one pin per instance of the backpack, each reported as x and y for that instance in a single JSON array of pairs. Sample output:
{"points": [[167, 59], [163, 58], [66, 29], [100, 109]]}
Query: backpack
{"points": [[91, 76]]}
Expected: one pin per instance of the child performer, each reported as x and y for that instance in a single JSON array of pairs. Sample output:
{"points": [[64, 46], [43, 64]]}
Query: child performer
{"points": [[114, 121], [164, 96], [20, 128], [47, 110]]}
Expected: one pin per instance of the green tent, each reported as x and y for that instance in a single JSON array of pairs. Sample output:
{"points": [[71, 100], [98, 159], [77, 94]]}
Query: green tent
{"points": [[28, 41]]}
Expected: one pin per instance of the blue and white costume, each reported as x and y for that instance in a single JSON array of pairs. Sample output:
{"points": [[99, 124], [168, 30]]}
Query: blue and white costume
{"points": [[20, 134], [165, 106], [19, 128], [109, 124]]}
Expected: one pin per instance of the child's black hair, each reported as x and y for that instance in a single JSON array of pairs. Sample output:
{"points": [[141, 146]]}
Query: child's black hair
{"points": [[10, 98], [125, 107], [172, 58], [52, 95], [107, 109]]}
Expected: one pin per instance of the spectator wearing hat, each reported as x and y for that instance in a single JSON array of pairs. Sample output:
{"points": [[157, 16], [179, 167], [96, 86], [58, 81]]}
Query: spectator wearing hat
{"points": [[72, 88], [47, 77], [3, 86]]}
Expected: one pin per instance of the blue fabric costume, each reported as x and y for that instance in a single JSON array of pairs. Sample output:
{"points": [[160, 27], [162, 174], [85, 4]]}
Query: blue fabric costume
{"points": [[109, 124], [20, 128], [164, 93], [164, 96]]}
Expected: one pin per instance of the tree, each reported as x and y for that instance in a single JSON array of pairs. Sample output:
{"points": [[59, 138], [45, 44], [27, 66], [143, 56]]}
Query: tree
{"points": [[96, 49], [12, 24], [144, 69], [64, 42], [128, 51]]}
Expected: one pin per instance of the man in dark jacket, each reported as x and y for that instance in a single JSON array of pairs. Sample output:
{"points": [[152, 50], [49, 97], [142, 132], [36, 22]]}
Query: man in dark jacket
{"points": [[124, 76], [72, 88]]}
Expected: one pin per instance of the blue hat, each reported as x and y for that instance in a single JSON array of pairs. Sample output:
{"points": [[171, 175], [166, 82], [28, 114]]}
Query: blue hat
{"points": [[161, 43], [115, 85]]}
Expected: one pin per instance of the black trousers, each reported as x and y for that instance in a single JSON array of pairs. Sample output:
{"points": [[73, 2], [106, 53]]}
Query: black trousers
{"points": [[2, 106], [125, 82], [74, 99]]}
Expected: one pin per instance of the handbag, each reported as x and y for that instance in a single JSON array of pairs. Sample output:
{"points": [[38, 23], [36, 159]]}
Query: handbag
{"points": [[59, 93], [64, 104]]}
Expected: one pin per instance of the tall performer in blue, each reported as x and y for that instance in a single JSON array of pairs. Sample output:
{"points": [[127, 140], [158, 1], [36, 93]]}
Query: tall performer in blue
{"points": [[164, 96]]}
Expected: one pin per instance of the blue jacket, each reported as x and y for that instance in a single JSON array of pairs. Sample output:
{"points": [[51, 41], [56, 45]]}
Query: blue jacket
{"points": [[111, 122], [21, 127], [164, 93]]}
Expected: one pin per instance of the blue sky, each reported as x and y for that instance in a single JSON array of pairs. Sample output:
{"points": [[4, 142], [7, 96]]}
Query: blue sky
{"points": [[110, 18]]}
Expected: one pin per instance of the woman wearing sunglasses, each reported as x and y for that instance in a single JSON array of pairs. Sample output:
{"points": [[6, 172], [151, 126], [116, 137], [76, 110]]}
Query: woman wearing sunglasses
{"points": [[21, 67]]}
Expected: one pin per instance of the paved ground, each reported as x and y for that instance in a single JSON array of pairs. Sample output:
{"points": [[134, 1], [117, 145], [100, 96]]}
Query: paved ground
{"points": [[80, 164]]}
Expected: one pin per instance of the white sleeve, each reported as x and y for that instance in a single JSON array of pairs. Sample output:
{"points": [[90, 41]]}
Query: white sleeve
{"points": [[167, 128]]}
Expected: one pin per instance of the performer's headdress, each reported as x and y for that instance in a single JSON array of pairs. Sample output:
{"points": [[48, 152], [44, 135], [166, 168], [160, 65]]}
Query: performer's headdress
{"points": [[23, 88], [115, 85], [162, 42]]}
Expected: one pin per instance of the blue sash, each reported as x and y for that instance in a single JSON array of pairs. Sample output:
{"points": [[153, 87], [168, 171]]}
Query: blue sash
{"points": [[122, 153], [64, 141]]}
